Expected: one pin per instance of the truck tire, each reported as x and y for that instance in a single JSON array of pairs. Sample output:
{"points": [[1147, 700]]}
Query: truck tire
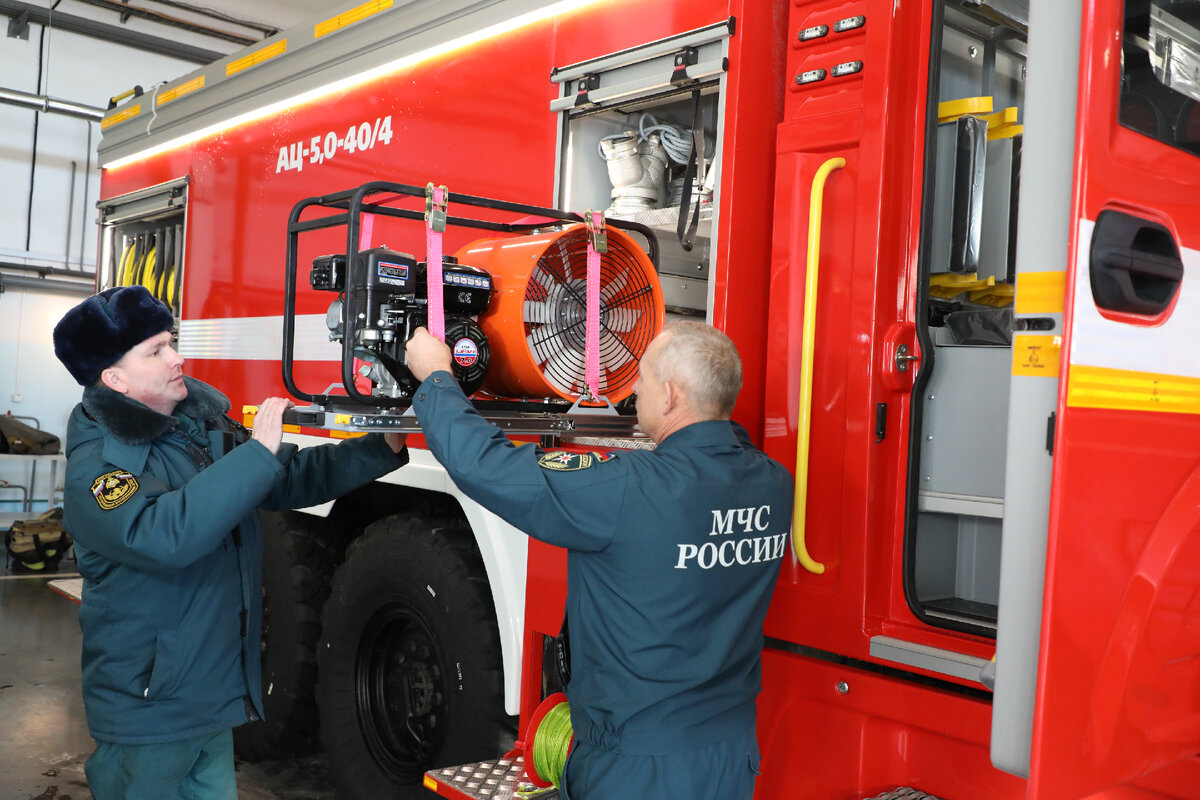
{"points": [[297, 566], [410, 670]]}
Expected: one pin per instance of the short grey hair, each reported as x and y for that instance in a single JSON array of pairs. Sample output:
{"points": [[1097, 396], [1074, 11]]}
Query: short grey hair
{"points": [[704, 363]]}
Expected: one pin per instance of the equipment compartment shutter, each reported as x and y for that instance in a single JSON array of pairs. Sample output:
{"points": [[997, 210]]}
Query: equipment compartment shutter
{"points": [[149, 203], [675, 64]]}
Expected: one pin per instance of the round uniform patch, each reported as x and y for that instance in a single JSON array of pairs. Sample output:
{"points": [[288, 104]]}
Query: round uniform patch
{"points": [[563, 461], [113, 488], [466, 352]]}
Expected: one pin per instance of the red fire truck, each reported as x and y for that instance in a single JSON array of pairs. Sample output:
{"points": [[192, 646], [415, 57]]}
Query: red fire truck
{"points": [[949, 238]]}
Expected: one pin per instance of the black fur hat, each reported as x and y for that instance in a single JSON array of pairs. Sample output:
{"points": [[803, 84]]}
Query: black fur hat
{"points": [[93, 335]]}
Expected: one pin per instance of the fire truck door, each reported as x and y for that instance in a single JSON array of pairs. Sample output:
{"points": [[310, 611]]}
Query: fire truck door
{"points": [[1102, 672]]}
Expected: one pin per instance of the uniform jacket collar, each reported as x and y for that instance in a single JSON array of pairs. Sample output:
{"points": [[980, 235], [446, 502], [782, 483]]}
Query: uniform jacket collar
{"points": [[698, 434], [129, 426]]}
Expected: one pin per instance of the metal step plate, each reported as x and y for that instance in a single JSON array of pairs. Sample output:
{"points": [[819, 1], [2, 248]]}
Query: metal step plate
{"points": [[903, 793], [485, 780], [504, 779]]}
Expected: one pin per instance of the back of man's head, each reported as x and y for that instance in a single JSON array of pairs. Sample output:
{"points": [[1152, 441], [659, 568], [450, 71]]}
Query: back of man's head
{"points": [[704, 363]]}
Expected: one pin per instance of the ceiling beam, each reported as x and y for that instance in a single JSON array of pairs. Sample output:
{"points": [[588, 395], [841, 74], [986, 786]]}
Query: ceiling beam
{"points": [[126, 10], [109, 33]]}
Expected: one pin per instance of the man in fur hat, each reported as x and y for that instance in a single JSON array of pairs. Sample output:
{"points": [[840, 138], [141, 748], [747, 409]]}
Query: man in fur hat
{"points": [[162, 492]]}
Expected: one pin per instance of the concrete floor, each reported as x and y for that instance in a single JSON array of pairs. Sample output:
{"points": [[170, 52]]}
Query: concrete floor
{"points": [[43, 731]]}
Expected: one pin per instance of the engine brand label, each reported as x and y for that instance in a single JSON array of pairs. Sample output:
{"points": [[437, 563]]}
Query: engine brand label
{"points": [[393, 274], [466, 352]]}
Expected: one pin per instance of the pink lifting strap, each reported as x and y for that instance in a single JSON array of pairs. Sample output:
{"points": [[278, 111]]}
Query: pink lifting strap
{"points": [[435, 224], [597, 244], [365, 230]]}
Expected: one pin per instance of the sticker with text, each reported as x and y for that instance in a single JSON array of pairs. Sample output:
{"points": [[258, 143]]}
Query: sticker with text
{"points": [[320, 149]]}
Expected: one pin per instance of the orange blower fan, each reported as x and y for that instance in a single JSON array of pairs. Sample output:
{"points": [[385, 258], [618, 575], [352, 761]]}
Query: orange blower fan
{"points": [[536, 326]]}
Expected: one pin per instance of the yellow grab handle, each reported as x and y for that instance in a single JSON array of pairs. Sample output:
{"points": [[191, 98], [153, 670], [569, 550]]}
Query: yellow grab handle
{"points": [[806, 365]]}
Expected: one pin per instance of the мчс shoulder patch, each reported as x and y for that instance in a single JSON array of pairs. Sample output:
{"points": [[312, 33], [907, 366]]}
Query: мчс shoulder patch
{"points": [[113, 488], [564, 461]]}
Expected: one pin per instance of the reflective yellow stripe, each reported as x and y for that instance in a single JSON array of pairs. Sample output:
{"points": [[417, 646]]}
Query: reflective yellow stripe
{"points": [[1036, 356], [121, 116], [429, 783], [1102, 387], [257, 57], [1041, 292], [350, 17], [180, 91]]}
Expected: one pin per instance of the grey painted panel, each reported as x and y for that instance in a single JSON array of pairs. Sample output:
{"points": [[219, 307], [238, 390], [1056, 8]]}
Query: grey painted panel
{"points": [[977, 572], [964, 418], [946, 662], [957, 556], [1044, 224], [943, 198]]}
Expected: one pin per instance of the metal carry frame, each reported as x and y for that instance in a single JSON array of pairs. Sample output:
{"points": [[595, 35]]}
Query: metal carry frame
{"points": [[356, 411]]}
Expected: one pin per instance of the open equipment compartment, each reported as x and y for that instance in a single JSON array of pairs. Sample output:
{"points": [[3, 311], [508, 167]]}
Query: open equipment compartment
{"points": [[641, 133], [142, 241], [965, 316]]}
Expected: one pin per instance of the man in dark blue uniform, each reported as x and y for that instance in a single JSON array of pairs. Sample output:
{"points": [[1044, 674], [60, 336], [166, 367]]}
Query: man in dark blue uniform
{"points": [[163, 509], [672, 557]]}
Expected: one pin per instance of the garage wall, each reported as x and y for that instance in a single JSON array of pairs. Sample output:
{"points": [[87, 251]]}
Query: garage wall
{"points": [[57, 173]]}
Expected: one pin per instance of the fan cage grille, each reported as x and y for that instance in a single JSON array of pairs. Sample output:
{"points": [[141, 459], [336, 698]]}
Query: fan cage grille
{"points": [[557, 336]]}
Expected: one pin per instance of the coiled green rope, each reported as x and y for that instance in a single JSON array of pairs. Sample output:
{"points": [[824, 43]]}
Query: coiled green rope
{"points": [[551, 743]]}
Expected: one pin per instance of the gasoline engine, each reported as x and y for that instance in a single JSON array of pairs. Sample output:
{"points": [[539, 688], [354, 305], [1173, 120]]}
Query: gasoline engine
{"points": [[390, 290]]}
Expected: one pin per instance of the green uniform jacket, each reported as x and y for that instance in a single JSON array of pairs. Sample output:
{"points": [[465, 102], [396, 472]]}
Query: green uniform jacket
{"points": [[163, 510]]}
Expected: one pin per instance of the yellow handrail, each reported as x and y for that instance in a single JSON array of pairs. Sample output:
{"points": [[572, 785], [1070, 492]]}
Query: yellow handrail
{"points": [[806, 365]]}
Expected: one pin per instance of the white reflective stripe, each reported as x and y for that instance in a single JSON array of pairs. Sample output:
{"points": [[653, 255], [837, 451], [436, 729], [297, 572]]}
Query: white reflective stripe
{"points": [[256, 339], [1166, 349]]}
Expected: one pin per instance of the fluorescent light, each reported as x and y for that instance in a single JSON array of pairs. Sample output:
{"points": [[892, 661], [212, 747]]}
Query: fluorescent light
{"points": [[483, 34]]}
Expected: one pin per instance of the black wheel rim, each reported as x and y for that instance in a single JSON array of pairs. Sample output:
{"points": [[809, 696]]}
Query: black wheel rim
{"points": [[399, 691]]}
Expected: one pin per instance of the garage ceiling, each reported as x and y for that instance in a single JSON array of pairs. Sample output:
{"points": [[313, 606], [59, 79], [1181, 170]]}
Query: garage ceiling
{"points": [[194, 30]]}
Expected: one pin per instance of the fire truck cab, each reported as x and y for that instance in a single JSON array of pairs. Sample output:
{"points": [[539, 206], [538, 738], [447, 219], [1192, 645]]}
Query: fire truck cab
{"points": [[951, 241]]}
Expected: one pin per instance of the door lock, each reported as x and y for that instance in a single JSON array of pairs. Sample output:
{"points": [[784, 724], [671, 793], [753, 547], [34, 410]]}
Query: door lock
{"points": [[903, 356]]}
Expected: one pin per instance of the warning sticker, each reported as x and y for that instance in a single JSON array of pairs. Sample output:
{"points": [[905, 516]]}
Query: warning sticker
{"points": [[1037, 356]]}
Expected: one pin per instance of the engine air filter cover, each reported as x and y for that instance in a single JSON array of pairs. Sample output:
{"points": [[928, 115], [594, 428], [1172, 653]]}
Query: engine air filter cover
{"points": [[537, 322]]}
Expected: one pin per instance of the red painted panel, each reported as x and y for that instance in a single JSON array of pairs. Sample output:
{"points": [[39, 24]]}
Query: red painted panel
{"points": [[834, 731], [1119, 682], [865, 307], [881, 733]]}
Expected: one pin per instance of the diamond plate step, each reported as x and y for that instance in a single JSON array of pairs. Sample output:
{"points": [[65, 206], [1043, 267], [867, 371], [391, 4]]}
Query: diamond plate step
{"points": [[501, 779], [903, 793], [485, 780]]}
